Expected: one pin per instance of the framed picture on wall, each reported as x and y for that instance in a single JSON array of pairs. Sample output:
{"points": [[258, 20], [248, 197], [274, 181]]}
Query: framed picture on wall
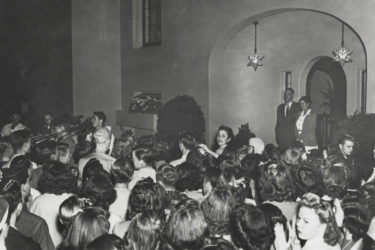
{"points": [[145, 102]]}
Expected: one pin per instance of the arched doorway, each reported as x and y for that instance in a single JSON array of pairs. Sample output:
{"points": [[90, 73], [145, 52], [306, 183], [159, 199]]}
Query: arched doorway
{"points": [[326, 85]]}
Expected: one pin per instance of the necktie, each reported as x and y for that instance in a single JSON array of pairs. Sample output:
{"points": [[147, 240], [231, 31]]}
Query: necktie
{"points": [[286, 110]]}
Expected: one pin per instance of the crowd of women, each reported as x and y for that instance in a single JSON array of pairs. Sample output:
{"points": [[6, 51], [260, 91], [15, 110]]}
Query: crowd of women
{"points": [[72, 195]]}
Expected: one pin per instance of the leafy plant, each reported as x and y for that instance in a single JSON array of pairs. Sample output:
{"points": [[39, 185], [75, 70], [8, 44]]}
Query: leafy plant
{"points": [[181, 113]]}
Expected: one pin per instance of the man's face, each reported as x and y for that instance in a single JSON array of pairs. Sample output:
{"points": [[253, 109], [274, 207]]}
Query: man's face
{"points": [[347, 147], [288, 96], [48, 120]]}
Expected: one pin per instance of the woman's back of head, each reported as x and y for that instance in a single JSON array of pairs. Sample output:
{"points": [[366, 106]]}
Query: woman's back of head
{"points": [[86, 226], [107, 242], [251, 228], [144, 231], [186, 227]]}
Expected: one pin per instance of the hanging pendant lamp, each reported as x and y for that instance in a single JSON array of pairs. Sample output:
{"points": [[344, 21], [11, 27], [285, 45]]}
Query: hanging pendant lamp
{"points": [[255, 60], [342, 55]]}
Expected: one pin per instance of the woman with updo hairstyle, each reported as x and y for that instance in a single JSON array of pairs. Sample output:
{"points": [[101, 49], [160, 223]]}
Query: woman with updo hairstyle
{"points": [[316, 224], [233, 178], [222, 144], [186, 227], [144, 163], [68, 209], [276, 187], [357, 218], [335, 179], [217, 208], [86, 227], [144, 231], [251, 228], [107, 242]]}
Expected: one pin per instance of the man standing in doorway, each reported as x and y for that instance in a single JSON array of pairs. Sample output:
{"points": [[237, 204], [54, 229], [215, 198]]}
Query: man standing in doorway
{"points": [[287, 114]]}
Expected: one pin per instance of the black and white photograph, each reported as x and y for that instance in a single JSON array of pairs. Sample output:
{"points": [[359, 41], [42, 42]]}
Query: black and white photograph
{"points": [[187, 125]]}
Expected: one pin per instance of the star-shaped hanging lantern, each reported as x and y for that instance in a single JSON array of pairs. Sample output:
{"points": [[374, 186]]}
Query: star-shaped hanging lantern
{"points": [[342, 55], [255, 61]]}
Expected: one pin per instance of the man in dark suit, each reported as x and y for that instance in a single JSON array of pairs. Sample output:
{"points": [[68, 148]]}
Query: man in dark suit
{"points": [[287, 114]]}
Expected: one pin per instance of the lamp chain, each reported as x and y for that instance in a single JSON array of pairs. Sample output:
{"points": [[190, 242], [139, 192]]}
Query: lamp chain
{"points": [[255, 38], [342, 35]]}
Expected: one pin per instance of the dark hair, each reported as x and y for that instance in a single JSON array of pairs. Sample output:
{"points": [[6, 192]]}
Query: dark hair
{"points": [[167, 174], [144, 231], [189, 177], [18, 170], [289, 89], [251, 228], [228, 162], [324, 211], [101, 116], [271, 152], [146, 141], [67, 210], [357, 217], [92, 167], [86, 226], [275, 214], [145, 154], [345, 138], [57, 179], [107, 242], [212, 176], [217, 208], [83, 149], [122, 171], [100, 191], [250, 164], [230, 134], [305, 99], [19, 138], [144, 197], [161, 150], [292, 156], [187, 140], [186, 227], [276, 184], [335, 179]]}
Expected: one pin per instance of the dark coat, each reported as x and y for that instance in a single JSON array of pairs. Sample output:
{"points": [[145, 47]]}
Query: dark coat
{"points": [[308, 136], [285, 125]]}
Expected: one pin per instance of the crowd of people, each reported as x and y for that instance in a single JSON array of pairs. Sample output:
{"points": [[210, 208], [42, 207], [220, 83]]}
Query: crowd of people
{"points": [[71, 193]]}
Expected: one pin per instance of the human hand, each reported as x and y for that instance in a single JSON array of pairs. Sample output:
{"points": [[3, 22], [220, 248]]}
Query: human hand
{"points": [[280, 242], [203, 147]]}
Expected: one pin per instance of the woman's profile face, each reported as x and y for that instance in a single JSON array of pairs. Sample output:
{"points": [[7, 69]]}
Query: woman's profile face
{"points": [[308, 223], [222, 137]]}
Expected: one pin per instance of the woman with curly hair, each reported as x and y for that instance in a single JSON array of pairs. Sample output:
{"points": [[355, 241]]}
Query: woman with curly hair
{"points": [[251, 229], [357, 218], [57, 183], [276, 187], [316, 224]]}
